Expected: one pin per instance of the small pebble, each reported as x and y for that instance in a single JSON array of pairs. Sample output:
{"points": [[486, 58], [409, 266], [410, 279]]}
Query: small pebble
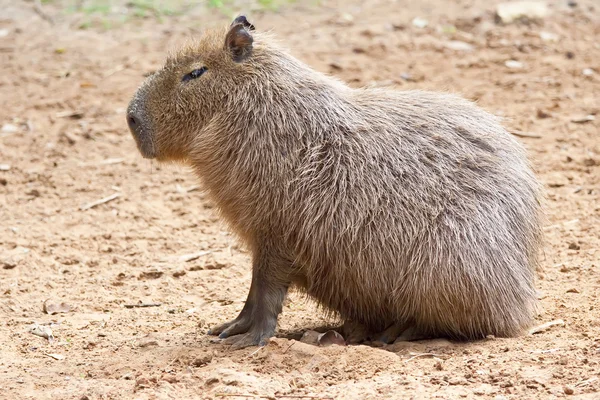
{"points": [[568, 390], [10, 128], [549, 36], [458, 45], [420, 22], [513, 64]]}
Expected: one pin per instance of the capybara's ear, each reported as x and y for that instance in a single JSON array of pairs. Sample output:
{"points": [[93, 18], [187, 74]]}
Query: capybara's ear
{"points": [[239, 42], [242, 20]]}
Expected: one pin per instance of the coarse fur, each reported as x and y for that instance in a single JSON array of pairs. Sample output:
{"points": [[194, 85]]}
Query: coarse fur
{"points": [[388, 207]]}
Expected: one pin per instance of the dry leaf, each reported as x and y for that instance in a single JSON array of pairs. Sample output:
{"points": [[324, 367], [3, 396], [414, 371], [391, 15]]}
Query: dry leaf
{"points": [[42, 331], [55, 308]]}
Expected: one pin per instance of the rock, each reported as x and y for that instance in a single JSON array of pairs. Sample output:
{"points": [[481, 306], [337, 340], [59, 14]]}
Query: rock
{"points": [[548, 36], [8, 263], [568, 390], [52, 308], [10, 128], [587, 72], [543, 114], [202, 360], [331, 337], [310, 337], [458, 380], [583, 120], [458, 45], [4, 167], [420, 22], [215, 265], [148, 343], [512, 11], [42, 331], [513, 64], [151, 274]]}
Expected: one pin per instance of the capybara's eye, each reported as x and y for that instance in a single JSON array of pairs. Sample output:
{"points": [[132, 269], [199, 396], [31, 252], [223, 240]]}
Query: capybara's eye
{"points": [[194, 74]]}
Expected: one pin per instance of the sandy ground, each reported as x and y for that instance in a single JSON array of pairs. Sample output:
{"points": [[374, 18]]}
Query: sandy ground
{"points": [[64, 143]]}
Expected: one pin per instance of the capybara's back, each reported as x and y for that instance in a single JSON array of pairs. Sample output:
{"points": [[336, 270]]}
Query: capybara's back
{"points": [[421, 209], [403, 211]]}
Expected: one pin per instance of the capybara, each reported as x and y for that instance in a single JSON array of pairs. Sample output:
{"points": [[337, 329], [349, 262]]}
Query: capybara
{"points": [[411, 214]]}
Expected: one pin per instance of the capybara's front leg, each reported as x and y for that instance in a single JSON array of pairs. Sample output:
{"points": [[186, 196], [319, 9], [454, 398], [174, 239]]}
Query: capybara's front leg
{"points": [[257, 321]]}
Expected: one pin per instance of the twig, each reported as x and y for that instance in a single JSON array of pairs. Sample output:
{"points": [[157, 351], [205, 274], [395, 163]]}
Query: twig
{"points": [[172, 362], [193, 188], [69, 114], [55, 356], [583, 120], [37, 6], [283, 396], [141, 305], [255, 351], [546, 326], [586, 382], [101, 201], [299, 396], [120, 67], [108, 161], [188, 257], [525, 135], [111, 161], [289, 347]]}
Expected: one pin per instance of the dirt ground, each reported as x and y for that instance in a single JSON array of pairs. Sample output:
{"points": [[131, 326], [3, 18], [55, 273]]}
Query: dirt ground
{"points": [[64, 143]]}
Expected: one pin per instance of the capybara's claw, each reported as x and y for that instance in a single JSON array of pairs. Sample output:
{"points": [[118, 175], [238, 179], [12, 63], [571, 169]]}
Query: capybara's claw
{"points": [[252, 338]]}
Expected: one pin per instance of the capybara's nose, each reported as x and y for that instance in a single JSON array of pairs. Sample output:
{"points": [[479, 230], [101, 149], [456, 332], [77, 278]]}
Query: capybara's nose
{"points": [[134, 123]]}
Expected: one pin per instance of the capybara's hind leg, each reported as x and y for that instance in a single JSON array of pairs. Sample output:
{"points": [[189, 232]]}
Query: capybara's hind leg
{"points": [[410, 334], [392, 332], [354, 332]]}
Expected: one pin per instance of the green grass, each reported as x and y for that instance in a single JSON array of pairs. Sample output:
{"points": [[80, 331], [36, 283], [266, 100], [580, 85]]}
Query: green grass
{"points": [[108, 14]]}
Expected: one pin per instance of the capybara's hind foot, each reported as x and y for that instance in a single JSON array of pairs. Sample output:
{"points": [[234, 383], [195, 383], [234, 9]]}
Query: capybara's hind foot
{"points": [[354, 332], [391, 333], [410, 334]]}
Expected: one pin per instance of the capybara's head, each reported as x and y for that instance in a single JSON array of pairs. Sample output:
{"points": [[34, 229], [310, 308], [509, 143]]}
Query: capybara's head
{"points": [[172, 107]]}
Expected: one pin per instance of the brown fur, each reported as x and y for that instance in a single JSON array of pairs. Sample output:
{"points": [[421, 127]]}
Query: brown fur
{"points": [[391, 208]]}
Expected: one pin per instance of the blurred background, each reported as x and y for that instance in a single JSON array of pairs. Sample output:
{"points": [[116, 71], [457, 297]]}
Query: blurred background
{"points": [[90, 227]]}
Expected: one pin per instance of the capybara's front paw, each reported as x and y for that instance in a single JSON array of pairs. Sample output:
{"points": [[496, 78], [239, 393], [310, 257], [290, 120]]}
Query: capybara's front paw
{"points": [[231, 328], [246, 331], [254, 337]]}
